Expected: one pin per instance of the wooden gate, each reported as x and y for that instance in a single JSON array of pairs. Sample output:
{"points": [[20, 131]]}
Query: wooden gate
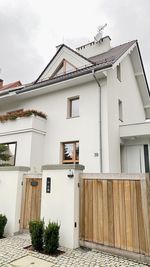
{"points": [[31, 201], [115, 211]]}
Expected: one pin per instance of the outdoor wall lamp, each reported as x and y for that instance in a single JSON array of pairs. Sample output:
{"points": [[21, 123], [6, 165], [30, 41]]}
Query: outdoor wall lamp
{"points": [[70, 174]]}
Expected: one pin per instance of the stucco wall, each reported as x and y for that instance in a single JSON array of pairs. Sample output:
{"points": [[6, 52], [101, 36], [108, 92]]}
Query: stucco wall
{"points": [[60, 129], [29, 134], [62, 204], [128, 92], [10, 196]]}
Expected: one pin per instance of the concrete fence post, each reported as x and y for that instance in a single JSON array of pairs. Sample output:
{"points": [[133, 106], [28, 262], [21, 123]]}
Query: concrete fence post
{"points": [[60, 200]]}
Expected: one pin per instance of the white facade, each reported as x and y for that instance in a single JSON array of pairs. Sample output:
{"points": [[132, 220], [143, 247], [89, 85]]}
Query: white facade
{"points": [[98, 128]]}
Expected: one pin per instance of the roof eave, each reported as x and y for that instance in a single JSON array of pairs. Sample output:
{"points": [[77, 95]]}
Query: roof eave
{"points": [[54, 81]]}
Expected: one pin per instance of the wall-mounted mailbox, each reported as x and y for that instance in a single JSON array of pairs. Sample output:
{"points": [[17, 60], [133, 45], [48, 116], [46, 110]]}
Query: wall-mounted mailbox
{"points": [[48, 185], [34, 183]]}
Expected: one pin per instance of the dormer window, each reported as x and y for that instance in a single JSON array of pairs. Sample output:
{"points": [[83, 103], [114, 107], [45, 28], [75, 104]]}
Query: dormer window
{"points": [[63, 68]]}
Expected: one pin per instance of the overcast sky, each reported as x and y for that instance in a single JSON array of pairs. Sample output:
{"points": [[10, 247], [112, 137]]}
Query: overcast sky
{"points": [[31, 29]]}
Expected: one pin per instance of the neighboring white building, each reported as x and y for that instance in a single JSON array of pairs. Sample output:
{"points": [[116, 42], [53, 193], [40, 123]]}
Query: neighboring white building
{"points": [[97, 104]]}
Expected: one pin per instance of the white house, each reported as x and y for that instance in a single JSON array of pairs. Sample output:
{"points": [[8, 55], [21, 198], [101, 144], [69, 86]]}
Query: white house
{"points": [[97, 104]]}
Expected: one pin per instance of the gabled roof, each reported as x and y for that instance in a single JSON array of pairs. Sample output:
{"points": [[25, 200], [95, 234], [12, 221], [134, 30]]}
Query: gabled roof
{"points": [[58, 51], [111, 56], [100, 61], [10, 85]]}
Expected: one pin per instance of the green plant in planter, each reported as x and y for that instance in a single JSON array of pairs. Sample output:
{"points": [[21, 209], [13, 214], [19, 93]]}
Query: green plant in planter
{"points": [[3, 221], [51, 238], [36, 229]]}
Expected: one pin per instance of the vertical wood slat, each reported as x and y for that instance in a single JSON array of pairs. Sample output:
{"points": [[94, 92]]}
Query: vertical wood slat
{"points": [[105, 213], [142, 245], [82, 210], [117, 213], [134, 218], [111, 241], [123, 238], [100, 212], [128, 216], [148, 203], [95, 213], [90, 210], [145, 216]]}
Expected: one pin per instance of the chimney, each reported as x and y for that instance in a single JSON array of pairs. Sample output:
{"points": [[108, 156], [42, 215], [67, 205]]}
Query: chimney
{"points": [[95, 48], [1, 84]]}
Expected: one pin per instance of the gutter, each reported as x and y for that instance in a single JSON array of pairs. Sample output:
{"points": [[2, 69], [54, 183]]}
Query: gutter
{"points": [[69, 76], [100, 122], [63, 78]]}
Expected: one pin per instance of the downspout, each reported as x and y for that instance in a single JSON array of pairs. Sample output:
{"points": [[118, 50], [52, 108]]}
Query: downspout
{"points": [[100, 122]]}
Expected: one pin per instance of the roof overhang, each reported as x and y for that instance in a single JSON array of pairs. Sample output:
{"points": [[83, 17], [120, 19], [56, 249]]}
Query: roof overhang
{"points": [[135, 130], [48, 87]]}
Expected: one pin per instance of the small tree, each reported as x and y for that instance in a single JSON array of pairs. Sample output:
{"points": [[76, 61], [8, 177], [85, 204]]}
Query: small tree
{"points": [[3, 221], [36, 229], [51, 237]]}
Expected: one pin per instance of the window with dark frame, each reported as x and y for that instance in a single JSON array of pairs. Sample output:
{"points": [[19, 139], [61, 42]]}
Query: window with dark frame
{"points": [[73, 107], [146, 158], [70, 152], [8, 154]]}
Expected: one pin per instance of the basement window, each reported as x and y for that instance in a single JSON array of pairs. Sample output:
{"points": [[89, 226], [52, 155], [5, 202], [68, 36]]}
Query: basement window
{"points": [[8, 154], [73, 107], [70, 152], [119, 72]]}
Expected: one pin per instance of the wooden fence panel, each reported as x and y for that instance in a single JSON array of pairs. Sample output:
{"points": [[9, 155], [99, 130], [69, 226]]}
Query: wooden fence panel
{"points": [[116, 213]]}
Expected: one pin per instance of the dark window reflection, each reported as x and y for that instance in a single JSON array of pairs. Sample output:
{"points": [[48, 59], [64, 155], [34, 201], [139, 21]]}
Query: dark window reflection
{"points": [[71, 152], [7, 154]]}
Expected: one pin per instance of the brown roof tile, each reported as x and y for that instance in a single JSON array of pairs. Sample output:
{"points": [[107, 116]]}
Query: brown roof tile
{"points": [[111, 56], [10, 85]]}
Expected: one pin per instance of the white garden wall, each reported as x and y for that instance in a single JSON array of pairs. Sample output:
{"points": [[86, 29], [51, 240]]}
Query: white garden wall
{"points": [[10, 196], [62, 203]]}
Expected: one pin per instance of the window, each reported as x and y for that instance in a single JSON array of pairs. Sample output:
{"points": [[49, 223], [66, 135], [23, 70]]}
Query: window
{"points": [[119, 72], [63, 68], [73, 107], [146, 158], [70, 152], [120, 110], [8, 154]]}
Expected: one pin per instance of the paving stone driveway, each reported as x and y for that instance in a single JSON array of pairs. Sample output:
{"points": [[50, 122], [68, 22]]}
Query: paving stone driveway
{"points": [[12, 249]]}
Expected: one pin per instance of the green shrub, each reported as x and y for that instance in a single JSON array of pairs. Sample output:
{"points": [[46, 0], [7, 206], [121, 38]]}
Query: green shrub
{"points": [[3, 221], [51, 237], [36, 229]]}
